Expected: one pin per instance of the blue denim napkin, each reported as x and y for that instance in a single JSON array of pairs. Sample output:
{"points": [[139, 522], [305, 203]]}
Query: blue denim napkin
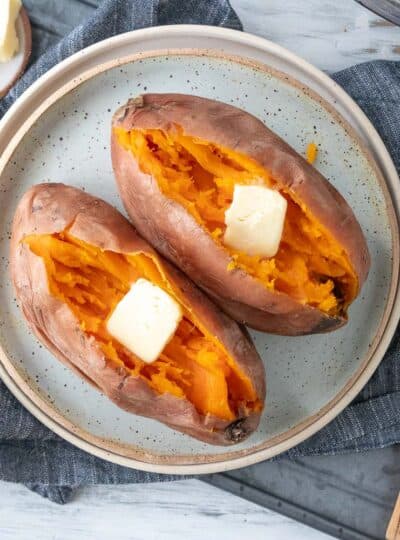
{"points": [[32, 454]]}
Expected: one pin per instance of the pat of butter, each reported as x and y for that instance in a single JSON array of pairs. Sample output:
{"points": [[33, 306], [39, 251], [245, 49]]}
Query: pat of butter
{"points": [[9, 10], [255, 219], [145, 320]]}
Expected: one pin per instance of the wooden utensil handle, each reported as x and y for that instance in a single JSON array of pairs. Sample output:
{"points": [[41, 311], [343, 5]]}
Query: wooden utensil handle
{"points": [[393, 530]]}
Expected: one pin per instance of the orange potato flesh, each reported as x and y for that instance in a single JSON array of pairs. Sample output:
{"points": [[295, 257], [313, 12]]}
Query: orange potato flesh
{"points": [[311, 153], [193, 365], [310, 266]]}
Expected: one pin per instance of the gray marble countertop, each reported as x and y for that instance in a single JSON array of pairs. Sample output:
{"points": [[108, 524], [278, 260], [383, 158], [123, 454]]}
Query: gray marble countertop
{"points": [[187, 509], [332, 34]]}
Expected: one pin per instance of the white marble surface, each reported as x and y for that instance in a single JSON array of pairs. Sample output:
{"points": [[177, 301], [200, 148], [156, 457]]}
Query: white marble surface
{"points": [[188, 509], [332, 34]]}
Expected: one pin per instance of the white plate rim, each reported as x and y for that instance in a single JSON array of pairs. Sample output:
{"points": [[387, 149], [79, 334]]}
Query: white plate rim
{"points": [[321, 418]]}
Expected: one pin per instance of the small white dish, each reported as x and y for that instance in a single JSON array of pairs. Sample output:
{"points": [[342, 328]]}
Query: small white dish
{"points": [[11, 71]]}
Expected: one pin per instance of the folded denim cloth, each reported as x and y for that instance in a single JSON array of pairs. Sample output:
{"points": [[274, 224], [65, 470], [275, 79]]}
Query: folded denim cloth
{"points": [[32, 454]]}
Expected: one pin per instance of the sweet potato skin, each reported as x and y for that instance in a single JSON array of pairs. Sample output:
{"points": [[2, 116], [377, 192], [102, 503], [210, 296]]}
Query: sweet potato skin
{"points": [[50, 208], [176, 234]]}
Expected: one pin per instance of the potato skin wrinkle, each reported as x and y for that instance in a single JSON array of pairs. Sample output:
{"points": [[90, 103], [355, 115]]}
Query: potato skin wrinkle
{"points": [[176, 159], [72, 258]]}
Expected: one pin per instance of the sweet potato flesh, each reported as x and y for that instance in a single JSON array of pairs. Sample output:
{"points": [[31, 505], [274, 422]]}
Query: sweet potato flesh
{"points": [[310, 265], [193, 365]]}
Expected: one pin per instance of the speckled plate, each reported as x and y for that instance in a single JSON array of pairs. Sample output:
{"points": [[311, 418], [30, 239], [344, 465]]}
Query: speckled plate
{"points": [[59, 131]]}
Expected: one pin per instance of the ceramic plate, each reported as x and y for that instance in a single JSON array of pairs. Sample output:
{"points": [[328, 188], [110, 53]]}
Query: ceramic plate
{"points": [[59, 131]]}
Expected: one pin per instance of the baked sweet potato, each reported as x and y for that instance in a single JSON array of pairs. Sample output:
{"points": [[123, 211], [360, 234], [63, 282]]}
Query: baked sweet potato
{"points": [[177, 159], [73, 257]]}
